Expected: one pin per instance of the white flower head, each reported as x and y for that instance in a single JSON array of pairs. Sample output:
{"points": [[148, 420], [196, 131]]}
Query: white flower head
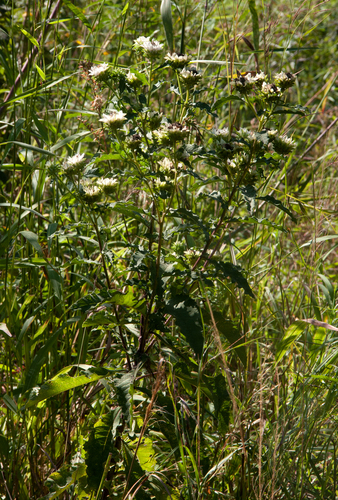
{"points": [[270, 91], [222, 133], [91, 192], [150, 48], [177, 61], [244, 83], [167, 167], [107, 185], [259, 78], [133, 80], [100, 72], [190, 77], [114, 120], [283, 145], [284, 80], [171, 133], [73, 164]]}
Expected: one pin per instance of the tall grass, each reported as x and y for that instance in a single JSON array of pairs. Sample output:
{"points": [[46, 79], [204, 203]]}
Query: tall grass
{"points": [[104, 395]]}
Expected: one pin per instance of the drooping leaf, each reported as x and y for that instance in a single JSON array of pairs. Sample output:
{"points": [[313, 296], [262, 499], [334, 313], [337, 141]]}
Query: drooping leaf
{"points": [[227, 269], [33, 239], [99, 445], [167, 23], [187, 316], [291, 335], [63, 381], [278, 204]]}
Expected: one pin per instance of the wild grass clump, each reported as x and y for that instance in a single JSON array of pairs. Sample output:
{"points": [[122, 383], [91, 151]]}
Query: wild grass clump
{"points": [[168, 297]]}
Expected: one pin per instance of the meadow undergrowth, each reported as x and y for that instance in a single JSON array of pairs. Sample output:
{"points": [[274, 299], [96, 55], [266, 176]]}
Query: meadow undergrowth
{"points": [[168, 250]]}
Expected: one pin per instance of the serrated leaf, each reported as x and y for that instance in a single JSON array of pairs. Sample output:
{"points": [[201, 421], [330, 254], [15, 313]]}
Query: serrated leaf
{"points": [[227, 269], [123, 393], [278, 204], [99, 445], [188, 318], [167, 23]]}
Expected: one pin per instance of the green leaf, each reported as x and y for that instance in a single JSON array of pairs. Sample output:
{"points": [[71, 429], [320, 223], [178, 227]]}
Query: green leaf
{"points": [[291, 335], [229, 330], [99, 445], [129, 210], [123, 386], [110, 297], [39, 359], [29, 147], [41, 73], [188, 318], [222, 402], [255, 25], [168, 23], [60, 481], [278, 204], [29, 36], [69, 139], [223, 100], [234, 273], [78, 13], [32, 238], [63, 381]]}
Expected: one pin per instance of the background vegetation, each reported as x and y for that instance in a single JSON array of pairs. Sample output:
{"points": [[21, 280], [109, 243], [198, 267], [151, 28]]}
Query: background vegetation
{"points": [[176, 338]]}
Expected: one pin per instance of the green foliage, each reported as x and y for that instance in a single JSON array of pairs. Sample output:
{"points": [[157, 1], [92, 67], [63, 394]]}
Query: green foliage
{"points": [[167, 251]]}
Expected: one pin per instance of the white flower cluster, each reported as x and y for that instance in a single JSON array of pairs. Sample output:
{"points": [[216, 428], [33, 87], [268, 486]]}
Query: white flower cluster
{"points": [[100, 73], [114, 120], [150, 48], [270, 91], [190, 77], [177, 61], [73, 164], [284, 80], [283, 145]]}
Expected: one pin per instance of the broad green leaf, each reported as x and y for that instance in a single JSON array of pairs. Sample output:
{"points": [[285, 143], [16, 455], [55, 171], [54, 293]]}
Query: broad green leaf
{"points": [[188, 318], [145, 454], [29, 147], [168, 23], [32, 238], [78, 13], [229, 270], [63, 381], [291, 335], [99, 445], [60, 481]]}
